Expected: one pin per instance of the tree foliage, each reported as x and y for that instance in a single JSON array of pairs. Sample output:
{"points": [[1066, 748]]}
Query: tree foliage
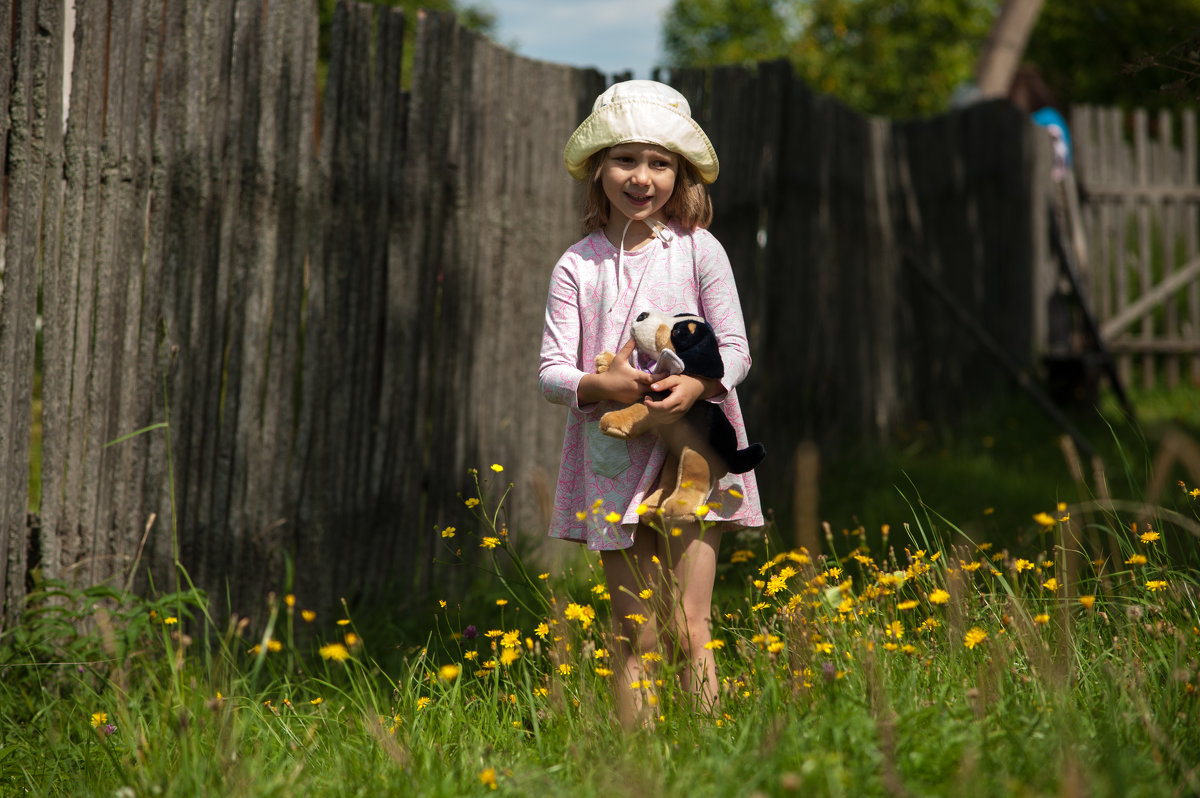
{"points": [[905, 58]]}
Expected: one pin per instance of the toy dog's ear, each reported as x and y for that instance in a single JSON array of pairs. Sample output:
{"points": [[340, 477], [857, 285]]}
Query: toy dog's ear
{"points": [[696, 344]]}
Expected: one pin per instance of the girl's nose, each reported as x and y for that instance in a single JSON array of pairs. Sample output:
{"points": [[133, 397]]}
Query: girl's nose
{"points": [[641, 175]]}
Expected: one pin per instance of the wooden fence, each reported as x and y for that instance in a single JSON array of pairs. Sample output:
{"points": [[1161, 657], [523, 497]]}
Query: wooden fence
{"points": [[326, 318], [1142, 220]]}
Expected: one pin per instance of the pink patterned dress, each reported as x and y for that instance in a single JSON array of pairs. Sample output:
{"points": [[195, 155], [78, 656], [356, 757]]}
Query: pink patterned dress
{"points": [[590, 310]]}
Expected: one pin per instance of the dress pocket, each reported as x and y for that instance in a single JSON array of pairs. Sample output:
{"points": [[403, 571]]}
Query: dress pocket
{"points": [[609, 457]]}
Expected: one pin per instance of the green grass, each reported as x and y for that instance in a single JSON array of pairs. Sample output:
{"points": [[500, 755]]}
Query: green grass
{"points": [[844, 673]]}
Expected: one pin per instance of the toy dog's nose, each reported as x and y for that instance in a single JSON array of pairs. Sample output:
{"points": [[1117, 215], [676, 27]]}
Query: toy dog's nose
{"points": [[642, 316]]}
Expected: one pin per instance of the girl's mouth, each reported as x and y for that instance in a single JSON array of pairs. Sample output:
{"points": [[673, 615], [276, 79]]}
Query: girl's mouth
{"points": [[639, 200]]}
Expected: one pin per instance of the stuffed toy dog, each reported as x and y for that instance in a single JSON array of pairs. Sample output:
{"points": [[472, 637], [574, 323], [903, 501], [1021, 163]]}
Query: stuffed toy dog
{"points": [[702, 446]]}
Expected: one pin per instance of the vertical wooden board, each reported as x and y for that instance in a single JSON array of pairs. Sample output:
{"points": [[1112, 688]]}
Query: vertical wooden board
{"points": [[1167, 174], [22, 167], [1142, 167], [1190, 220]]}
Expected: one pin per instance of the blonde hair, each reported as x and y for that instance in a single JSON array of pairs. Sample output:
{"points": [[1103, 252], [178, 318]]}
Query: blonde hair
{"points": [[690, 204]]}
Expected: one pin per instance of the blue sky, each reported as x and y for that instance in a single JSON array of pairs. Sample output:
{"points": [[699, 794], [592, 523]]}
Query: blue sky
{"points": [[610, 35]]}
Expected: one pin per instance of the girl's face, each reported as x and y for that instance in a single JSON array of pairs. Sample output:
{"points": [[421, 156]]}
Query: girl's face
{"points": [[638, 180]]}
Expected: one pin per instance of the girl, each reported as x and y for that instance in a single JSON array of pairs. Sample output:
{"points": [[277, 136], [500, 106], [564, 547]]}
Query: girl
{"points": [[646, 163]]}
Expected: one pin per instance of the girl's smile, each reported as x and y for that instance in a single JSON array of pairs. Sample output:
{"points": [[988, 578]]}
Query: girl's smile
{"points": [[638, 180]]}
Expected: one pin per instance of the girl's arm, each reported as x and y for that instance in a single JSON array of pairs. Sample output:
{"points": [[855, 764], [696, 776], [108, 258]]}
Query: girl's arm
{"points": [[559, 374], [722, 309]]}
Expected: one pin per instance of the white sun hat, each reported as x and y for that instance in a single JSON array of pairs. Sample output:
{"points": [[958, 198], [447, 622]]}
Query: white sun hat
{"points": [[641, 110]]}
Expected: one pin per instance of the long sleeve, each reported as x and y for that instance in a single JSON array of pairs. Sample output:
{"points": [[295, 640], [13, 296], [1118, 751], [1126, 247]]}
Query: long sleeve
{"points": [[558, 370], [722, 308]]}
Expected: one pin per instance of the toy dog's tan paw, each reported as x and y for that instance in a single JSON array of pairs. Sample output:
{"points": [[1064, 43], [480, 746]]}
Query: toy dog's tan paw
{"points": [[612, 426], [603, 361]]}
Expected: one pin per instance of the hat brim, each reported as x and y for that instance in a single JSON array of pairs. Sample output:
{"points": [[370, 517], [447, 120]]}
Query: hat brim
{"points": [[627, 121]]}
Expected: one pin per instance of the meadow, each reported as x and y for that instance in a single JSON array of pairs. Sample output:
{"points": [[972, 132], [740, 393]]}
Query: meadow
{"points": [[1047, 647]]}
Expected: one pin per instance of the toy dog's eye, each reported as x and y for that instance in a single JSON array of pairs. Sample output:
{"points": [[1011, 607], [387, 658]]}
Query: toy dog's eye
{"points": [[642, 316]]}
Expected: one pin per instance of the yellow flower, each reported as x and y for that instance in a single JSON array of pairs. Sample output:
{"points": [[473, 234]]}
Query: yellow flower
{"points": [[600, 671], [99, 719], [613, 517], [488, 778], [511, 639], [895, 629], [334, 651], [448, 673], [423, 702], [497, 467], [274, 646], [308, 615], [352, 639], [544, 576], [652, 656], [1087, 601], [637, 618], [1045, 519], [501, 602], [1041, 618], [170, 620], [642, 509], [645, 594], [974, 637], [343, 621], [701, 510], [677, 531], [939, 596], [713, 645], [316, 701], [1050, 584], [1156, 585], [489, 543], [541, 630], [907, 605], [471, 502], [581, 515], [509, 655], [442, 603], [448, 532], [1023, 565], [289, 600], [565, 669], [584, 614], [762, 605], [1136, 559], [775, 647], [1149, 537]]}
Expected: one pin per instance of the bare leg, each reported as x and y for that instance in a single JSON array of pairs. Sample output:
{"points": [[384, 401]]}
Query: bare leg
{"points": [[692, 561], [627, 573]]}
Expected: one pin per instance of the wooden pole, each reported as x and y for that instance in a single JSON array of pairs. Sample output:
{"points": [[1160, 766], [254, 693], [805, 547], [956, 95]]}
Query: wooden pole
{"points": [[1005, 45]]}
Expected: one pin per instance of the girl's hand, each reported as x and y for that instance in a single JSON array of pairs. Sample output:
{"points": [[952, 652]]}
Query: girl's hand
{"points": [[683, 391], [620, 383]]}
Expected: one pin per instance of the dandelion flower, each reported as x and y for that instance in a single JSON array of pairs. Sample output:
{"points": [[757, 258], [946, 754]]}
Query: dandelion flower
{"points": [[170, 620], [308, 615], [1087, 601], [423, 702], [939, 596], [637, 618], [645, 594], [471, 502], [509, 655], [352, 640], [1156, 584], [1149, 537], [334, 651], [448, 532], [714, 645], [448, 673], [1041, 618], [343, 621], [613, 517], [642, 509], [1022, 565], [497, 467], [566, 668], [289, 600], [974, 637], [1044, 519], [1050, 584], [895, 629], [601, 671], [1136, 559], [652, 656], [500, 602], [274, 646], [584, 614], [489, 543], [99, 719], [581, 515], [907, 605], [762, 605], [541, 630]]}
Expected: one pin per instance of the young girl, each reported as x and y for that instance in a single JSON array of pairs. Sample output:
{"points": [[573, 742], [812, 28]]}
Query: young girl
{"points": [[646, 163]]}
